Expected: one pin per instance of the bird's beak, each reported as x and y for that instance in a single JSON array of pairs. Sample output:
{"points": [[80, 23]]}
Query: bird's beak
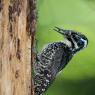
{"points": [[61, 31]]}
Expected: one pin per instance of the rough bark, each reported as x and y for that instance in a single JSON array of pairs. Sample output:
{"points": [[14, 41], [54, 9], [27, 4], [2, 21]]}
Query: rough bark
{"points": [[17, 29]]}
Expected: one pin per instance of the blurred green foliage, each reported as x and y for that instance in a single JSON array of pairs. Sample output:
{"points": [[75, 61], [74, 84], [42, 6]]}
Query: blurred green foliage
{"points": [[78, 78]]}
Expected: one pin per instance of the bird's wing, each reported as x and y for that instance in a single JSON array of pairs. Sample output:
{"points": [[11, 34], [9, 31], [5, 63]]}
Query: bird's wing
{"points": [[54, 56], [48, 63], [59, 60]]}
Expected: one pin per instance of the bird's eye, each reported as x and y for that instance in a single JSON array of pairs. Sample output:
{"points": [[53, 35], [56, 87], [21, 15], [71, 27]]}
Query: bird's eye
{"points": [[80, 43], [76, 37]]}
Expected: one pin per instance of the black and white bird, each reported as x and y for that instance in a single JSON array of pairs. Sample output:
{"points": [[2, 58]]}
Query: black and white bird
{"points": [[55, 56]]}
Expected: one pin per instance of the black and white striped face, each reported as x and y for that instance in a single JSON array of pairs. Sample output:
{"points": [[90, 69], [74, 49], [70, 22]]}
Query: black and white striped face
{"points": [[78, 41]]}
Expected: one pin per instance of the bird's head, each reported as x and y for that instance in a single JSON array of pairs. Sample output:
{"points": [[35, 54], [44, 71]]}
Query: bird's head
{"points": [[76, 40]]}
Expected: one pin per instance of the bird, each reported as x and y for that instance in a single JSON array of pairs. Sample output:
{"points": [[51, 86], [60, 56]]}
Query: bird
{"points": [[55, 56]]}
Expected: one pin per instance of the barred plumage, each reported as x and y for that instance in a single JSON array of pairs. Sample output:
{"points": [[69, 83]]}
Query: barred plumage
{"points": [[54, 58]]}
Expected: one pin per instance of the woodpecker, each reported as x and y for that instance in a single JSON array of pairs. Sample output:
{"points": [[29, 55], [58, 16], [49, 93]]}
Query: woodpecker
{"points": [[54, 57]]}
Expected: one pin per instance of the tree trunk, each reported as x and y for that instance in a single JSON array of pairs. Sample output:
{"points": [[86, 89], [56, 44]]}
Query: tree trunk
{"points": [[17, 29]]}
